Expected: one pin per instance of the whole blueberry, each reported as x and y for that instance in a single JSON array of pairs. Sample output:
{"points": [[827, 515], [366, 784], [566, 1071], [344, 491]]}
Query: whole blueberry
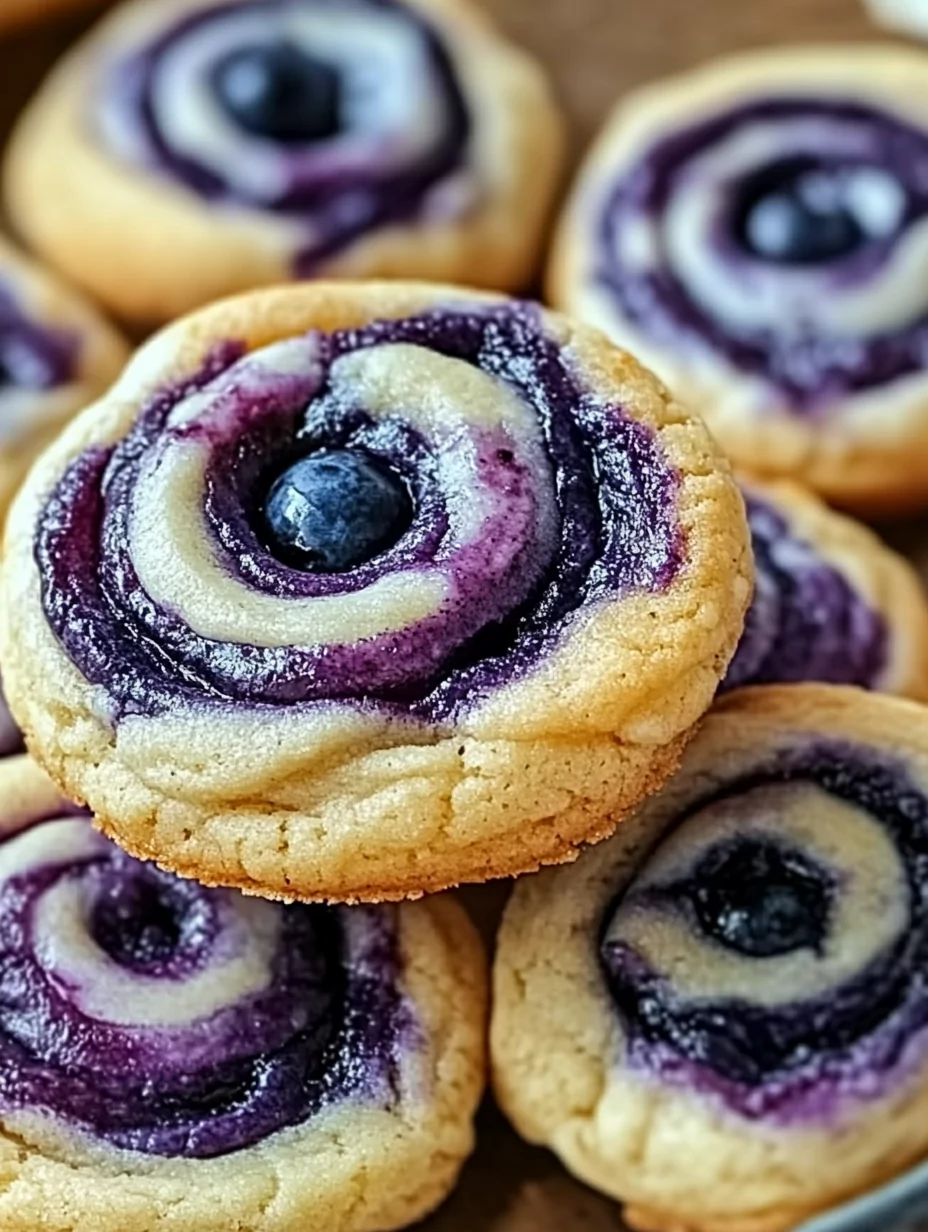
{"points": [[277, 90], [761, 900], [334, 510], [803, 214]]}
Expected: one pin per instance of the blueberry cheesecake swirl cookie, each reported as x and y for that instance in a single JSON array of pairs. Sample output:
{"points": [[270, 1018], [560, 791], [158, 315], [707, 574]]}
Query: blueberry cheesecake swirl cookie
{"points": [[178, 1057], [56, 355], [196, 148], [361, 590], [832, 603], [720, 1016], [757, 232]]}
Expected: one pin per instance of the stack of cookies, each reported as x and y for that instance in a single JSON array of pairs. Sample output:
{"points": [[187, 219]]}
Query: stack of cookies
{"points": [[359, 581]]}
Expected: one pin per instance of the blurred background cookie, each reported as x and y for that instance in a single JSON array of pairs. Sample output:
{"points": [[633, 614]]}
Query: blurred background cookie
{"points": [[757, 231], [178, 1057], [719, 1016], [57, 354], [189, 149], [831, 602], [386, 587]]}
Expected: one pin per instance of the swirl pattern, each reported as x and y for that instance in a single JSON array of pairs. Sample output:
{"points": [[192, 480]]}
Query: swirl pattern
{"points": [[734, 1031], [394, 148], [806, 620], [771, 951], [161, 1017], [534, 503], [676, 253]]}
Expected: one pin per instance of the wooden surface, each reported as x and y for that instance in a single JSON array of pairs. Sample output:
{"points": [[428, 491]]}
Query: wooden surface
{"points": [[595, 49]]}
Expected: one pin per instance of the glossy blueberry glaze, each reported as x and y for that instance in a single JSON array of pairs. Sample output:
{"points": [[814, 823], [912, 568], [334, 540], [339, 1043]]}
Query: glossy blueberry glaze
{"points": [[33, 356], [806, 621], [811, 369], [327, 1024], [616, 532], [338, 204], [797, 1061]]}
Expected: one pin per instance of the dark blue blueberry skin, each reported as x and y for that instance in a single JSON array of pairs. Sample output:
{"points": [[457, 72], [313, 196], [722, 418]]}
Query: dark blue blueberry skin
{"points": [[760, 899], [278, 91], [799, 215], [334, 510]]}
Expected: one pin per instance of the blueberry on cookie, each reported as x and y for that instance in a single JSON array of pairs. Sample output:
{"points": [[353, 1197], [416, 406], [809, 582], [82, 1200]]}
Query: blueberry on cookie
{"points": [[195, 148], [720, 1016], [357, 591], [757, 232], [179, 1057], [832, 603]]}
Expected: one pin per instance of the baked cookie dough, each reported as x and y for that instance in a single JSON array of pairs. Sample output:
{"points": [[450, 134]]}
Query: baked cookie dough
{"points": [[719, 1016], [756, 231], [832, 603], [190, 149], [356, 591], [178, 1057]]}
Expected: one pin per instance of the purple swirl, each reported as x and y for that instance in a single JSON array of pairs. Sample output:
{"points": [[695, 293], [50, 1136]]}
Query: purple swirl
{"points": [[856, 1029], [375, 171], [806, 621], [563, 503], [804, 353], [160, 1016]]}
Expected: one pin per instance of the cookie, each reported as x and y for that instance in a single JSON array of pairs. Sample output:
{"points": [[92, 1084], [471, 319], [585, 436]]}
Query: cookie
{"points": [[191, 149], [56, 355], [906, 16], [356, 591], [757, 232], [718, 1017], [179, 1057], [832, 603]]}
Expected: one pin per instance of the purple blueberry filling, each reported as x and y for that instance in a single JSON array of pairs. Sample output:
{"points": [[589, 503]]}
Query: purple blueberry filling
{"points": [[806, 622], [11, 740], [344, 158], [800, 210], [764, 899], [32, 356], [326, 1022], [615, 531]]}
